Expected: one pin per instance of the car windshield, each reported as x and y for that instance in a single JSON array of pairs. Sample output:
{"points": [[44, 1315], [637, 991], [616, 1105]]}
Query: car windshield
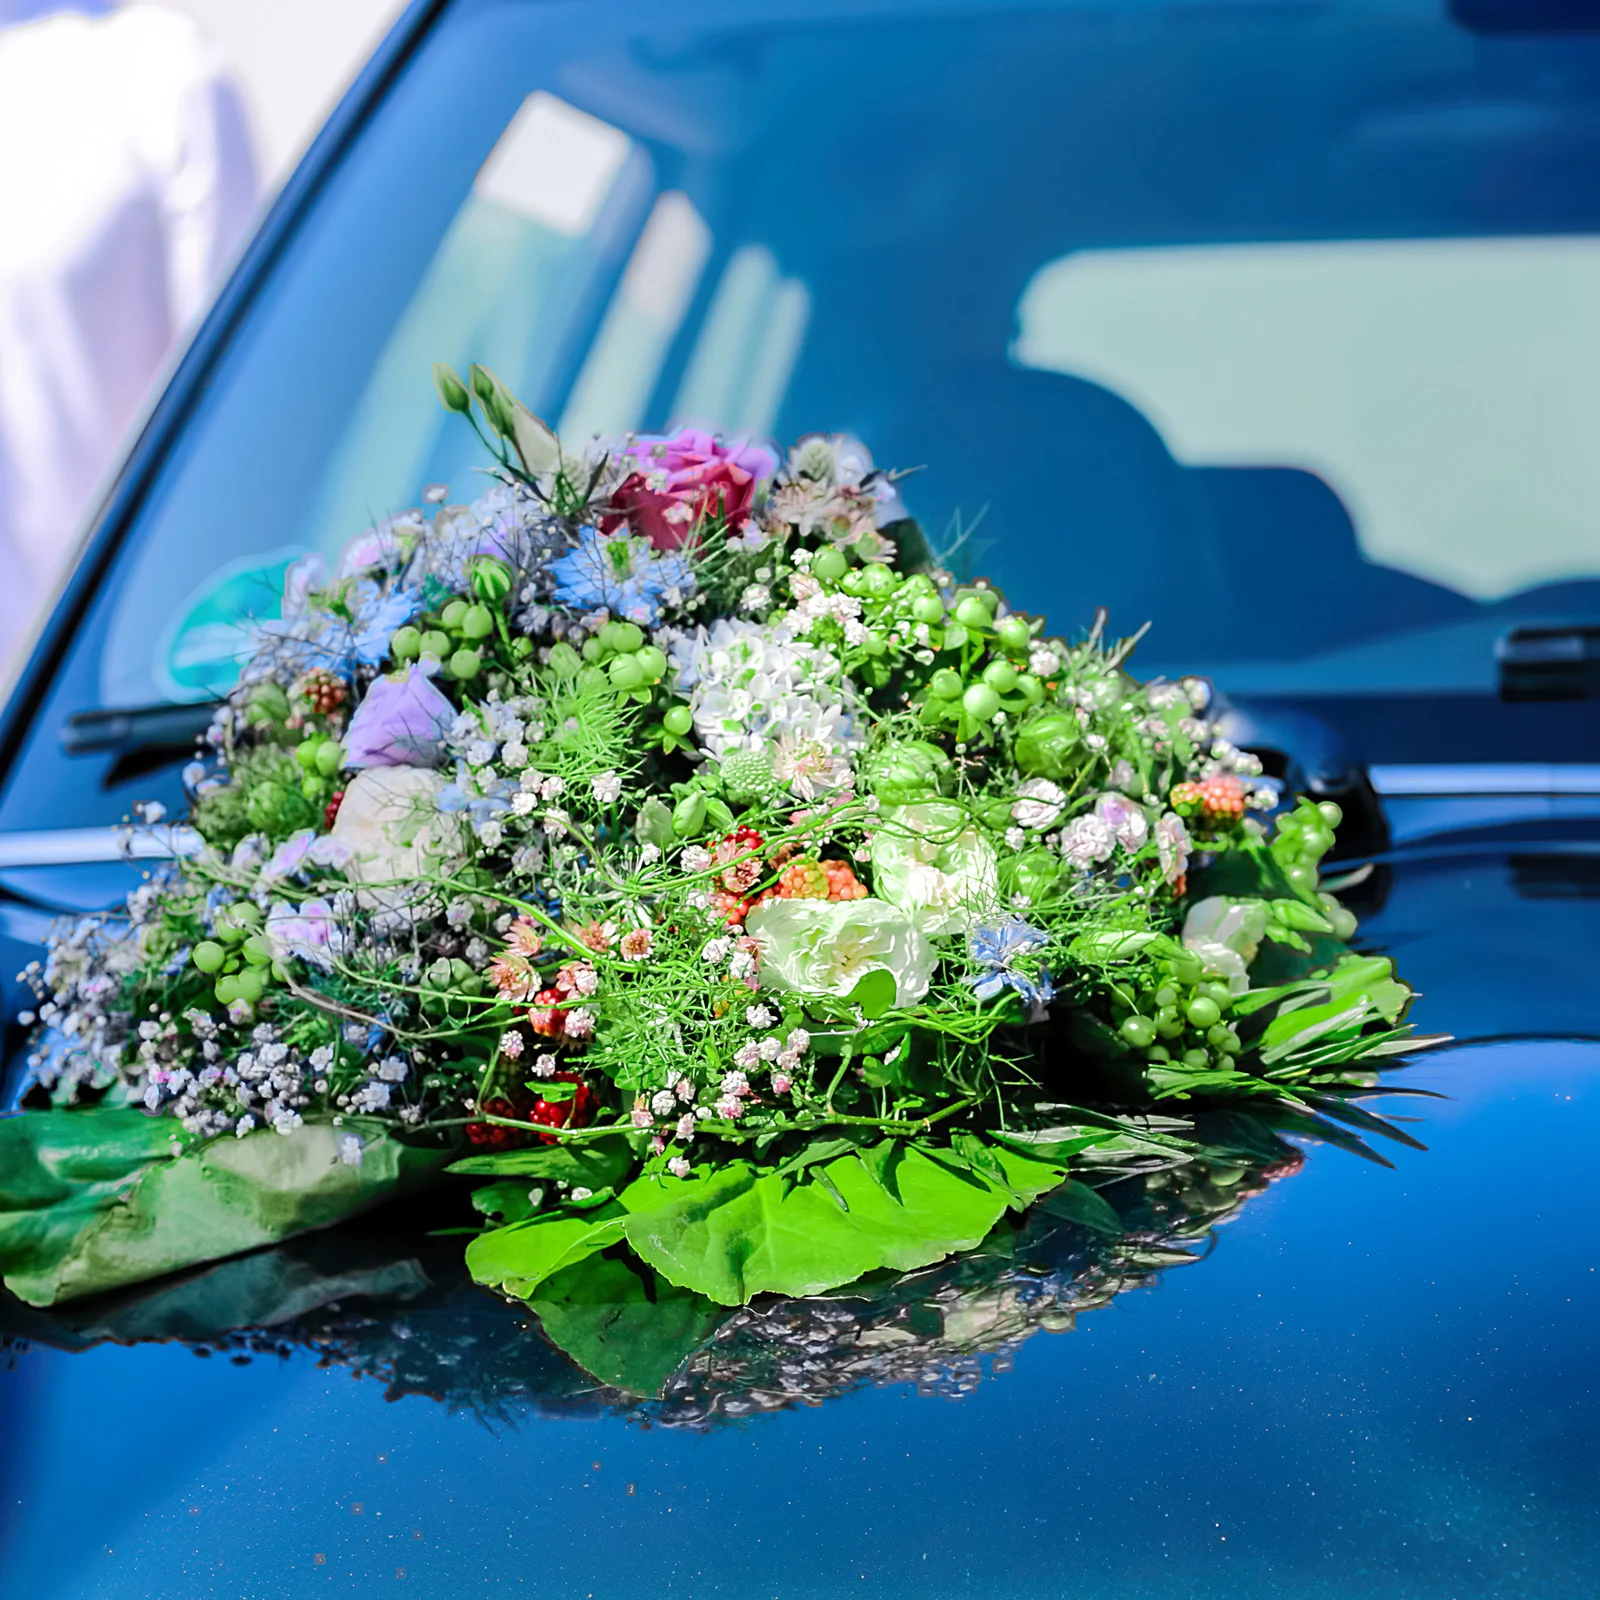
{"points": [[1274, 326]]}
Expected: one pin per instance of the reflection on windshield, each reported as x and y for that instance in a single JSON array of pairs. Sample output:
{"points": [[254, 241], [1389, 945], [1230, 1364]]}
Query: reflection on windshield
{"points": [[1283, 298]]}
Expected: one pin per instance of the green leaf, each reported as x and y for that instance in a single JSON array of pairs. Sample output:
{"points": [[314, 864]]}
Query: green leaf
{"points": [[518, 1258], [93, 1200], [1111, 945], [506, 1201], [1077, 1203], [552, 1091], [738, 1232], [874, 993], [628, 1333], [596, 1164]]}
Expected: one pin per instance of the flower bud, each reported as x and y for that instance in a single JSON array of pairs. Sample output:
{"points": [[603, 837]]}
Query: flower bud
{"points": [[1048, 745], [905, 772], [689, 815], [491, 579], [452, 391]]}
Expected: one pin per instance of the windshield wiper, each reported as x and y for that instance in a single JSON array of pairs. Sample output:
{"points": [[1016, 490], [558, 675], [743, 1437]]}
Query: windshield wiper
{"points": [[136, 728]]}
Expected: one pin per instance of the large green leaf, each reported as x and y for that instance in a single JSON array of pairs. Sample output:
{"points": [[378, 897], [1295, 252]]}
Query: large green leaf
{"points": [[738, 1232], [95, 1199], [605, 1317], [518, 1258]]}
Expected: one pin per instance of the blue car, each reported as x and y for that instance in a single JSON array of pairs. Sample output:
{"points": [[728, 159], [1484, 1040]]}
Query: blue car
{"points": [[1273, 325]]}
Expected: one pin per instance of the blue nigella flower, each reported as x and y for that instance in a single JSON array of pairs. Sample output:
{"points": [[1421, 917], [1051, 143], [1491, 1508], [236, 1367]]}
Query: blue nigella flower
{"points": [[624, 575], [995, 946]]}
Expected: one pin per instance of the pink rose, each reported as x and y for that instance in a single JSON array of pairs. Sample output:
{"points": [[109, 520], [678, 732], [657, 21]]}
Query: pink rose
{"points": [[683, 480]]}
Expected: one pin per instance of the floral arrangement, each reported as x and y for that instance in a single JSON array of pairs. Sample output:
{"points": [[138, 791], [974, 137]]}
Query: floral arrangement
{"points": [[671, 841]]}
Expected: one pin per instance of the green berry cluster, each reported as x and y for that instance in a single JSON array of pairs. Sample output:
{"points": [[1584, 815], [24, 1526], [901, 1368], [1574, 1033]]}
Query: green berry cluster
{"points": [[1183, 1019], [238, 956]]}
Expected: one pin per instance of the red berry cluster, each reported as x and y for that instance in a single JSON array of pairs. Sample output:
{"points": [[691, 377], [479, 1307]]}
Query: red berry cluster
{"points": [[321, 692], [330, 812], [577, 1112], [738, 877], [493, 1135]]}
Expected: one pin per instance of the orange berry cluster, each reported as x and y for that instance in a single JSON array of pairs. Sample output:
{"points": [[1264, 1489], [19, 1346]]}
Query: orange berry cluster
{"points": [[1219, 799], [820, 880]]}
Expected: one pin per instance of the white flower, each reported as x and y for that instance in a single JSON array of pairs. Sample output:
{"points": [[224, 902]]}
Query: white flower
{"points": [[1172, 844], [523, 803], [552, 788], [756, 597], [1015, 838], [579, 1023], [544, 1066], [1043, 662], [696, 858], [716, 951], [1126, 820], [515, 755], [663, 1102], [1225, 934], [607, 788], [930, 861], [678, 1167], [391, 822], [1087, 840], [1039, 804], [827, 947], [798, 1042], [809, 767], [350, 1147], [759, 1016], [684, 1126], [555, 822]]}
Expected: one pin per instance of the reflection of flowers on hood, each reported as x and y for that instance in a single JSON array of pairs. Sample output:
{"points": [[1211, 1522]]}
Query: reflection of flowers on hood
{"points": [[827, 947], [621, 574], [995, 947], [750, 683], [401, 722], [930, 861], [685, 479], [308, 932], [392, 824], [1225, 934]]}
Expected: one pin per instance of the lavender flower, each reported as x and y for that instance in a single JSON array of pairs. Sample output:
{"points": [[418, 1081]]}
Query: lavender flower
{"points": [[400, 723]]}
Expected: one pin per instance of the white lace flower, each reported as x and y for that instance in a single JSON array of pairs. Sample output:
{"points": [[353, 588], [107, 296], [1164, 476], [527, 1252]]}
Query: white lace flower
{"points": [[750, 684]]}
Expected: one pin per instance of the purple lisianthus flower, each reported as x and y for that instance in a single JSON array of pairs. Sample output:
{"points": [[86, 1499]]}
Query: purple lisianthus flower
{"points": [[308, 932], [307, 848], [401, 722]]}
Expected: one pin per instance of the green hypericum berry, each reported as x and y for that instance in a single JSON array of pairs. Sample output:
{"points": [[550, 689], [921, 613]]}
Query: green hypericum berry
{"points": [[652, 663], [1000, 675], [1203, 1012], [251, 984], [971, 612], [226, 989], [257, 951], [478, 622], [946, 684], [980, 702], [1014, 635], [464, 664], [208, 956], [878, 580], [436, 643], [406, 645], [927, 608], [1197, 1059], [593, 651], [625, 674], [1139, 1032], [830, 565], [453, 615], [306, 751], [622, 637], [677, 721], [330, 757]]}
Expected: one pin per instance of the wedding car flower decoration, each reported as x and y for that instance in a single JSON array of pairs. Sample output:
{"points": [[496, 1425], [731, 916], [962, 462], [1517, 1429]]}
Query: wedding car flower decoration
{"points": [[674, 849]]}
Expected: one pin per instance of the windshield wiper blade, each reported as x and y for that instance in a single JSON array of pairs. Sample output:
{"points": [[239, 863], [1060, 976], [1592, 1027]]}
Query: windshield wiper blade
{"points": [[136, 727]]}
